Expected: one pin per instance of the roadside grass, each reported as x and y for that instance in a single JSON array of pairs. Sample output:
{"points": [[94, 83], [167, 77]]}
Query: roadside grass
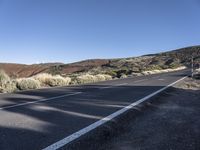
{"points": [[88, 78], [190, 83], [27, 83], [8, 85], [50, 80], [162, 71], [4, 78]]}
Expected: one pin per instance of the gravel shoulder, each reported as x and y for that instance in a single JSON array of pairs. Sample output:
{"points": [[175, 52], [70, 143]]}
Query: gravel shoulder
{"points": [[170, 121]]}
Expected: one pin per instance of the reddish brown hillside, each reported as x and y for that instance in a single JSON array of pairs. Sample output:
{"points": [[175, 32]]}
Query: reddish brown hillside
{"points": [[21, 70], [82, 66], [170, 59]]}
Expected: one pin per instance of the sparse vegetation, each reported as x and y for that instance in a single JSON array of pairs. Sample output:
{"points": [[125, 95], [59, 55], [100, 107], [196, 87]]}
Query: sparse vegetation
{"points": [[103, 77], [123, 76], [27, 83], [114, 67], [190, 83], [89, 71], [162, 71], [58, 81], [4, 78], [43, 78], [6, 84], [9, 87], [49, 80], [87, 78]]}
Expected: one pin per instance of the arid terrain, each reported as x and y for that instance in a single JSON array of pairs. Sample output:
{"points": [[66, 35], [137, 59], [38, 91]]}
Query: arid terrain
{"points": [[114, 67]]}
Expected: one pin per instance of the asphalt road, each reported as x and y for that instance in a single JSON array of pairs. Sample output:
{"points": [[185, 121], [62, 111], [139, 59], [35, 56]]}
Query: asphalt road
{"points": [[170, 121], [36, 119]]}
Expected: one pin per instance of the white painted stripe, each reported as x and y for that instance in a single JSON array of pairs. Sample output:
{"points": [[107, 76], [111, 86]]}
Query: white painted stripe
{"points": [[140, 80], [52, 98], [87, 129], [41, 100], [113, 86]]}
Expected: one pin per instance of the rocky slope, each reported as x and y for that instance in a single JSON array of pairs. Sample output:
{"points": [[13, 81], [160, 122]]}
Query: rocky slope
{"points": [[115, 67]]}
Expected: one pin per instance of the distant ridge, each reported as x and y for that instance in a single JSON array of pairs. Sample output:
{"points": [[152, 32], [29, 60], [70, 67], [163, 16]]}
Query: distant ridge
{"points": [[173, 58]]}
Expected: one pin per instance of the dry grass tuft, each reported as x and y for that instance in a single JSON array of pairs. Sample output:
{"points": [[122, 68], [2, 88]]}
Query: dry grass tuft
{"points": [[87, 78], [162, 71], [6, 84], [4, 78], [27, 83], [49, 80]]}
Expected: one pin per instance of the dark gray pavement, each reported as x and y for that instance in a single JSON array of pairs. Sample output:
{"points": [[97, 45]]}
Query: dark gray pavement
{"points": [[170, 122], [66, 110]]}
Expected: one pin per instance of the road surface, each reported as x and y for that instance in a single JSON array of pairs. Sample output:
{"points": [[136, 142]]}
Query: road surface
{"points": [[37, 119]]}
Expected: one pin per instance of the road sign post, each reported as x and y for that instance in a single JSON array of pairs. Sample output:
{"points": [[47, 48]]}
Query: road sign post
{"points": [[192, 67]]}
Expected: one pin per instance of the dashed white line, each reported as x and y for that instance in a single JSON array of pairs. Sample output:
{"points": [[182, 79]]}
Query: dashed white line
{"points": [[37, 101], [140, 80], [61, 96], [161, 79], [87, 129], [113, 86], [52, 98]]}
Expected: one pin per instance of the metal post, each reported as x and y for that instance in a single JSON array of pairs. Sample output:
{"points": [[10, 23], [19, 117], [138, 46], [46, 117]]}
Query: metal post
{"points": [[192, 67]]}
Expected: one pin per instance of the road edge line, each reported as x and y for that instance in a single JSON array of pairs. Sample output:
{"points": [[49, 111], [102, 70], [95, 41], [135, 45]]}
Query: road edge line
{"points": [[38, 101], [89, 128]]}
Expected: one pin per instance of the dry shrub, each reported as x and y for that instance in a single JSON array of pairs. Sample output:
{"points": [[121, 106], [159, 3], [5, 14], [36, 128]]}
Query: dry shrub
{"points": [[58, 81], [6, 84], [191, 85], [87, 78], [49, 80], [123, 76], [162, 71], [107, 77], [27, 83], [100, 77], [4, 78], [9, 87], [43, 78]]}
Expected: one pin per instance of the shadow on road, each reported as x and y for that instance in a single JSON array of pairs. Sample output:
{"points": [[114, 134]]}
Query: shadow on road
{"points": [[38, 125]]}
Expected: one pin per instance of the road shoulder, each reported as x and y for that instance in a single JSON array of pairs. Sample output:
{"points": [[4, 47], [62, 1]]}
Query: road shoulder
{"points": [[168, 121]]}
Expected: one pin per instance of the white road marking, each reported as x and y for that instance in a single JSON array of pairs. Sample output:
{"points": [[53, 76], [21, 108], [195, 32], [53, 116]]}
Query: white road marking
{"points": [[37, 101], [61, 96], [161, 79], [140, 80], [113, 86], [87, 129]]}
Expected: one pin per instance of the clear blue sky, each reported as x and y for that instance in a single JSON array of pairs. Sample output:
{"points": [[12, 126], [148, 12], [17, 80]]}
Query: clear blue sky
{"points": [[34, 31]]}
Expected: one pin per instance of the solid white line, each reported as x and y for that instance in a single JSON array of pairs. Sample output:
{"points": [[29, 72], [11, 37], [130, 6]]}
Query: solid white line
{"points": [[87, 129], [41, 100], [113, 86]]}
